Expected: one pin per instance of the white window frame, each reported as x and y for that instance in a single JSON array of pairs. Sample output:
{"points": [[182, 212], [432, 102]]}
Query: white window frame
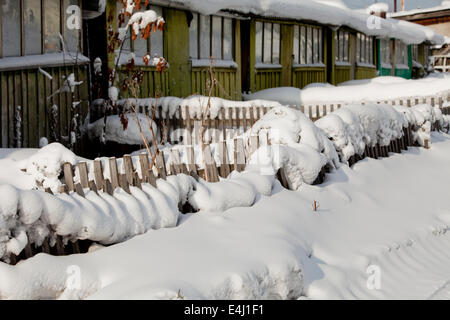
{"points": [[303, 54]]}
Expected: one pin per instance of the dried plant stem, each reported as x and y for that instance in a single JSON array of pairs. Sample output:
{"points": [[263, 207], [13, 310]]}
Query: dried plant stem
{"points": [[144, 139]]}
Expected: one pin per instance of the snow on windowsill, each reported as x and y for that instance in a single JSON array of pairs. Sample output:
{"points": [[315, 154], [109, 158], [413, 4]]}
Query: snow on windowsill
{"points": [[260, 65], [342, 64], [309, 65], [386, 65], [402, 66], [199, 63], [365, 65], [42, 60]]}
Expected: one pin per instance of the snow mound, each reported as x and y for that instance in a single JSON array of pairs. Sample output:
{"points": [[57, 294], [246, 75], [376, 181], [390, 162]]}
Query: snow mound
{"points": [[287, 96], [297, 145], [113, 129], [197, 105], [45, 165]]}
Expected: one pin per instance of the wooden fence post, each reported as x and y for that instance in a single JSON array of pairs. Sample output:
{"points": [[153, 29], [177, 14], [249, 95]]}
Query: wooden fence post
{"points": [[127, 164], [211, 174], [83, 172], [98, 174], [239, 155], [114, 173], [161, 165], [224, 169], [68, 176]]}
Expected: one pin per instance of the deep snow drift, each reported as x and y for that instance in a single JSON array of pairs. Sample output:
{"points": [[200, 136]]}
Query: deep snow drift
{"points": [[357, 91], [389, 215]]}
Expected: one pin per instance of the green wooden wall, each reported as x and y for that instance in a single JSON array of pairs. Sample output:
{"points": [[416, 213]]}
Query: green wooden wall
{"points": [[228, 85], [301, 77], [181, 79], [365, 73], [29, 89], [342, 74], [406, 73]]}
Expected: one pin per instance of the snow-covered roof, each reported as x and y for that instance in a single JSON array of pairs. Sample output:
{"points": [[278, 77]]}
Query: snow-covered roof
{"points": [[317, 11], [444, 6]]}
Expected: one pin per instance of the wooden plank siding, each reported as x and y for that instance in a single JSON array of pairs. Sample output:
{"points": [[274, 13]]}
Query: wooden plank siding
{"points": [[29, 89], [343, 74], [301, 77], [227, 78], [267, 78], [365, 73]]}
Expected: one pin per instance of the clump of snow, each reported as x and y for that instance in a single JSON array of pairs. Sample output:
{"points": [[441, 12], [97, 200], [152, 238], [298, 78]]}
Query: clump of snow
{"points": [[337, 131], [378, 8], [357, 91], [287, 96], [29, 216], [113, 93], [114, 131], [45, 165], [321, 12], [197, 106], [298, 146]]}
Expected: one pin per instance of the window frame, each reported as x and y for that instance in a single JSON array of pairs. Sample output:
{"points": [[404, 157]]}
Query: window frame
{"points": [[272, 64], [401, 54], [364, 50], [130, 47], [301, 58], [223, 38], [62, 27], [342, 53]]}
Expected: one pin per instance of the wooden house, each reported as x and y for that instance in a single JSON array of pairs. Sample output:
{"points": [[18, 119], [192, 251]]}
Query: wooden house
{"points": [[32, 68], [250, 52]]}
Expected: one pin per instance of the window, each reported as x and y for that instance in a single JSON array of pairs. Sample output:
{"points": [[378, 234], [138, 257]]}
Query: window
{"points": [[401, 53], [415, 52], [41, 22], [211, 36], [52, 16], [385, 52], [364, 49], [341, 41], [308, 45], [141, 47], [11, 28], [268, 36]]}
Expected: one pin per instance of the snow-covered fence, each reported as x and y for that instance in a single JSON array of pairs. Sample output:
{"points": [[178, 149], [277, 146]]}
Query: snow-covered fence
{"points": [[109, 191], [179, 121]]}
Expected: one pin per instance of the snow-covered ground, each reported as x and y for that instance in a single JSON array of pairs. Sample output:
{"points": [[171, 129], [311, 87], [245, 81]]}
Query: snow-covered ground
{"points": [[381, 224]]}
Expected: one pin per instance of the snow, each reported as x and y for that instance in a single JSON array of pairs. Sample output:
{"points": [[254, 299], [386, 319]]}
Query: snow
{"points": [[287, 96], [356, 91], [376, 214], [197, 105], [45, 165], [445, 5], [44, 60], [298, 146], [114, 131], [215, 63], [378, 8], [320, 12]]}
